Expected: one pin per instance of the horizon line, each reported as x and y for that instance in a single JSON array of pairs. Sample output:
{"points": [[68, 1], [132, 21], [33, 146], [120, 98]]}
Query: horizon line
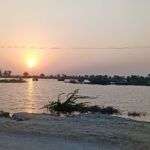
{"points": [[71, 48]]}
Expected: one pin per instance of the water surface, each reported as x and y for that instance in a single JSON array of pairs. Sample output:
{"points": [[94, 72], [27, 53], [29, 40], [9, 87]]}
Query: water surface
{"points": [[31, 96]]}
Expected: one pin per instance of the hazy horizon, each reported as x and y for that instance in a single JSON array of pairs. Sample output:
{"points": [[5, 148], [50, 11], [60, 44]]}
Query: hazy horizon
{"points": [[75, 37]]}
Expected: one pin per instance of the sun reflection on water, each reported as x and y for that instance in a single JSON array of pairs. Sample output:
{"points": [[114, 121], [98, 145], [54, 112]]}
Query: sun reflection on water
{"points": [[30, 97]]}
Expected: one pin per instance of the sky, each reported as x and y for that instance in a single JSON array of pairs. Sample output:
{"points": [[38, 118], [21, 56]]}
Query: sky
{"points": [[75, 36]]}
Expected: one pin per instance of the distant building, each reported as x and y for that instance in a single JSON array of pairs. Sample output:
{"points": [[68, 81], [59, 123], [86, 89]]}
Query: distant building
{"points": [[86, 82]]}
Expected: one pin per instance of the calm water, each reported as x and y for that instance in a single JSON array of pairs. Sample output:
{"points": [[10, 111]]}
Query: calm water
{"points": [[31, 96]]}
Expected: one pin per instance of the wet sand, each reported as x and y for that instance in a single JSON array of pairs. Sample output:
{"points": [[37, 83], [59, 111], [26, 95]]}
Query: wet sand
{"points": [[82, 132], [30, 142]]}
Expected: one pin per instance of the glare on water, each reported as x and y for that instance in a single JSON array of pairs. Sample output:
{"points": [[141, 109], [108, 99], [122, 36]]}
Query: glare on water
{"points": [[31, 96]]}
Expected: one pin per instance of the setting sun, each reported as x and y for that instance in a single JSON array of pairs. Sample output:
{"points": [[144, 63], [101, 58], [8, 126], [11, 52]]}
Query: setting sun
{"points": [[32, 59], [31, 62]]}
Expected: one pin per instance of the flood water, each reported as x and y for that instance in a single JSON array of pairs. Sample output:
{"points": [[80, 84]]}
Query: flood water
{"points": [[31, 96]]}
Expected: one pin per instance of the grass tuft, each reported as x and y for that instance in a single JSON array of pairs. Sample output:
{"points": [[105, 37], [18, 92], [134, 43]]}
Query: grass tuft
{"points": [[71, 105]]}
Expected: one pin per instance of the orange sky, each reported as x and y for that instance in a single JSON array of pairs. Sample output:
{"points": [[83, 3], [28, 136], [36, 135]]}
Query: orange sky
{"points": [[125, 61], [75, 24]]}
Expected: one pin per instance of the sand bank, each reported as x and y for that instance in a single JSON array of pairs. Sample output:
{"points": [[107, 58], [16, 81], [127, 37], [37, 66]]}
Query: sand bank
{"points": [[92, 131]]}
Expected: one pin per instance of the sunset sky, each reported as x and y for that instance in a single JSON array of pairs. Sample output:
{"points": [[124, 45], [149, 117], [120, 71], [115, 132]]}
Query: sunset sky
{"points": [[75, 36]]}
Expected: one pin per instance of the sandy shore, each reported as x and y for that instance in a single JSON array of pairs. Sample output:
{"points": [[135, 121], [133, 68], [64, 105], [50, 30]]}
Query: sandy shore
{"points": [[83, 132]]}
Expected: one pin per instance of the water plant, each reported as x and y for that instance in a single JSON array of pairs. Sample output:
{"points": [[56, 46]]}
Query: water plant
{"points": [[136, 114], [4, 114], [19, 80], [71, 104]]}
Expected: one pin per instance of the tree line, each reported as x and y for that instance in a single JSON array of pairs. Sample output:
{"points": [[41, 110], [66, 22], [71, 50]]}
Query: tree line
{"points": [[93, 79]]}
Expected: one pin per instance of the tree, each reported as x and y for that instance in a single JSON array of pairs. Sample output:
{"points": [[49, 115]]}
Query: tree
{"points": [[25, 74], [7, 73], [0, 73], [42, 75]]}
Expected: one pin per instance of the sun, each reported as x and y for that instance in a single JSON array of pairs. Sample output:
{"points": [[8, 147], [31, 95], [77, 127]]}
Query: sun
{"points": [[33, 59], [31, 62]]}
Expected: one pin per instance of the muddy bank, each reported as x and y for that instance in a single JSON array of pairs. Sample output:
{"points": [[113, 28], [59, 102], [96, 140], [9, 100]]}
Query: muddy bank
{"points": [[109, 132]]}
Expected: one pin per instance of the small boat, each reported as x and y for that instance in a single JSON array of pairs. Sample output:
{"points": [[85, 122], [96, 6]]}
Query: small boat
{"points": [[74, 81], [61, 79], [35, 79]]}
